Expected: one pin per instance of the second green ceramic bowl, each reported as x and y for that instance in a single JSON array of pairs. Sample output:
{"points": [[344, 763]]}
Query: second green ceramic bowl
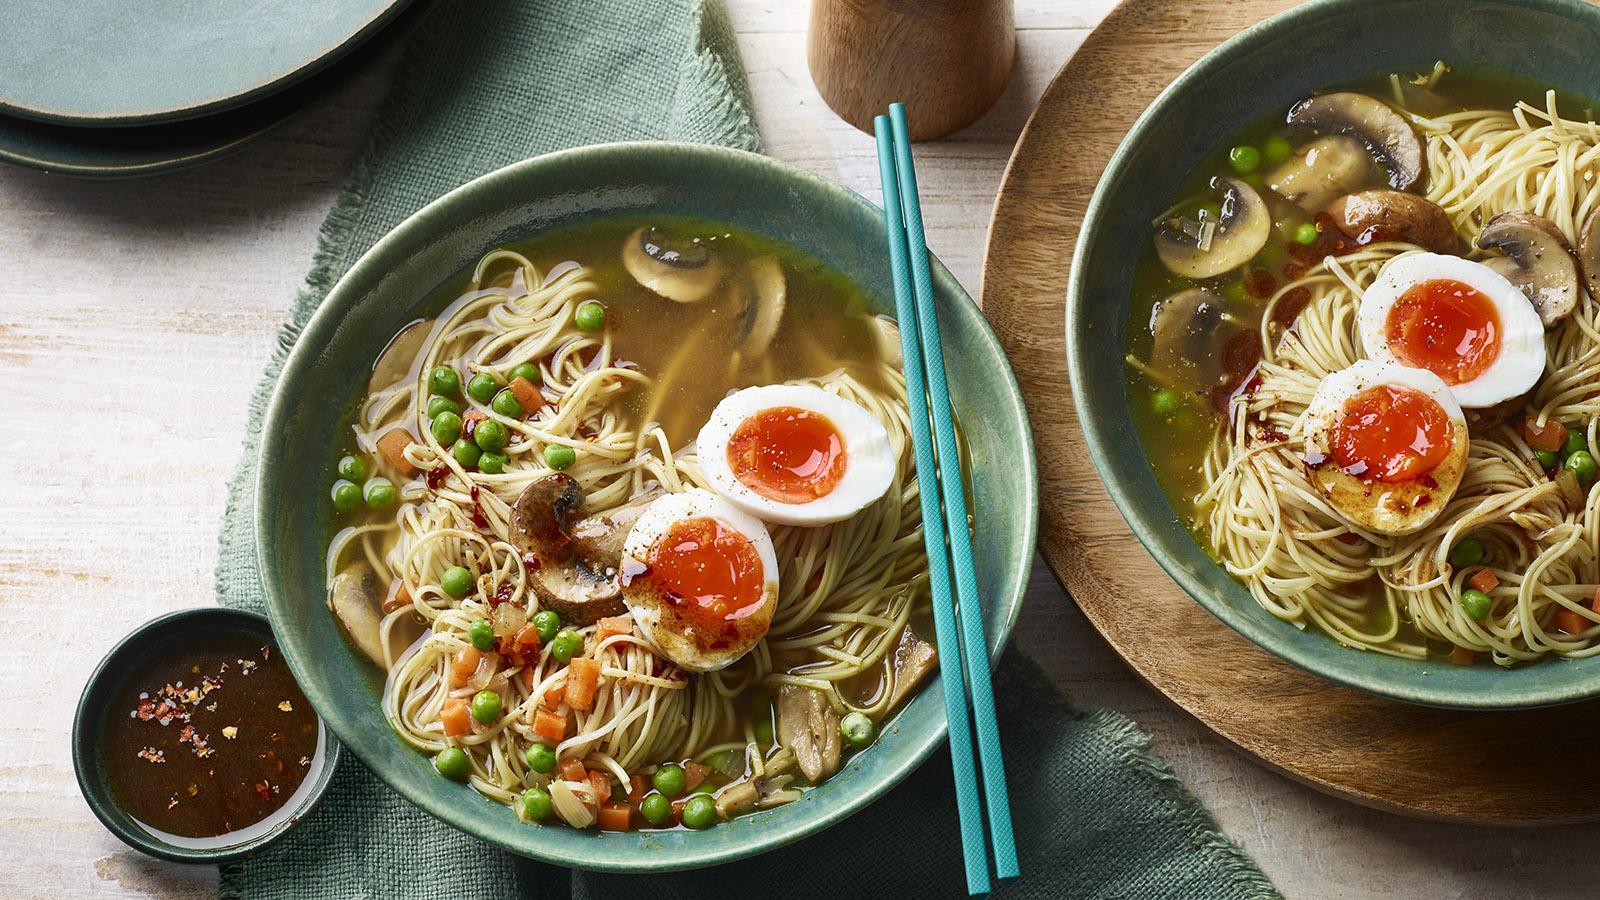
{"points": [[385, 290], [1269, 66]]}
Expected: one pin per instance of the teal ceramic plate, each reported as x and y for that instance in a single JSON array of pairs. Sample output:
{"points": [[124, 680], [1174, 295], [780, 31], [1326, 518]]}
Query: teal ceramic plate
{"points": [[1322, 43], [114, 62], [99, 700], [385, 290]]}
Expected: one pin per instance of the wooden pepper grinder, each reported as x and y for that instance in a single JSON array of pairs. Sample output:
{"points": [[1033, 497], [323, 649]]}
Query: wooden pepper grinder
{"points": [[947, 60]]}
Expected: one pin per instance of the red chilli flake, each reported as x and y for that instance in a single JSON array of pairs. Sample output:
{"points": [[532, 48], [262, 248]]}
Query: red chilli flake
{"points": [[502, 594], [437, 475], [478, 519], [531, 562]]}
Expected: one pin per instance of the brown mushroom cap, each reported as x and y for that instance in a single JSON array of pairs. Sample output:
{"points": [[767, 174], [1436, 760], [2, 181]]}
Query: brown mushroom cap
{"points": [[1386, 133], [1203, 249], [1188, 330], [1537, 260], [578, 558], [1589, 252], [1384, 215], [681, 270], [1322, 170]]}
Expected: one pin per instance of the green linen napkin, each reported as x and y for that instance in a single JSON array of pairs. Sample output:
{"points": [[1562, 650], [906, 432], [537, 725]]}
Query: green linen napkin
{"points": [[485, 83]]}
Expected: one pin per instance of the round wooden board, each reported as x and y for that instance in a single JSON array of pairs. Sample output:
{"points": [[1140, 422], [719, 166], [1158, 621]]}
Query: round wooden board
{"points": [[1487, 768]]}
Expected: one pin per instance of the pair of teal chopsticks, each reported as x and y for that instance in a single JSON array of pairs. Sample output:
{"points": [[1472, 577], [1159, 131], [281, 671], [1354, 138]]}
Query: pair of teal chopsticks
{"points": [[963, 646]]}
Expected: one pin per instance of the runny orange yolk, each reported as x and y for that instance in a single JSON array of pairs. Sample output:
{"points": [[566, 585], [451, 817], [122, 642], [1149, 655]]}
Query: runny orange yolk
{"points": [[1390, 433], [787, 454], [706, 570], [1447, 327]]}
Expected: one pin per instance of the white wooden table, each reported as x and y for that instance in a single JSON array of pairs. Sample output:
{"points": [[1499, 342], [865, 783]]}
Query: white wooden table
{"points": [[136, 317]]}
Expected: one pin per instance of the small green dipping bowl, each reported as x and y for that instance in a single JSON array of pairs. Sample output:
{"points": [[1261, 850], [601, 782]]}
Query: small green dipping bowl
{"points": [[99, 700], [386, 289], [1269, 66]]}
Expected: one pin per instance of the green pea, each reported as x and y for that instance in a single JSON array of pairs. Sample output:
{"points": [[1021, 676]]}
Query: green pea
{"points": [[559, 456], [440, 405], [590, 315], [486, 706], [491, 435], [857, 729], [466, 453], [535, 804], [528, 371], [1547, 458], [505, 403], [763, 731], [1166, 403], [452, 763], [567, 644], [1583, 465], [541, 758], [547, 622], [1576, 440], [346, 496], [380, 493], [1475, 603], [444, 381], [492, 463], [656, 808], [1276, 149], [669, 779], [482, 387], [456, 581], [353, 468], [446, 427], [1466, 552], [481, 634], [1306, 233], [1244, 159], [700, 812]]}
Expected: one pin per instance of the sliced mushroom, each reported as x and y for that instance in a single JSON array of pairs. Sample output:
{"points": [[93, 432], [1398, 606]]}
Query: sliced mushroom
{"points": [[577, 558], [760, 293], [1322, 170], [1589, 252], [356, 597], [914, 658], [397, 360], [809, 727], [1537, 260], [1385, 215], [1188, 331], [1385, 132], [685, 270], [1203, 248]]}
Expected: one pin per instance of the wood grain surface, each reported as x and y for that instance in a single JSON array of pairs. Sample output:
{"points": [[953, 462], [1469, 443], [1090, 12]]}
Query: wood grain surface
{"points": [[1494, 768]]}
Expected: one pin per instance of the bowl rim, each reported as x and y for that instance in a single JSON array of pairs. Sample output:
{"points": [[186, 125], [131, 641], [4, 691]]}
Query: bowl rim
{"points": [[1144, 521], [347, 291], [86, 733]]}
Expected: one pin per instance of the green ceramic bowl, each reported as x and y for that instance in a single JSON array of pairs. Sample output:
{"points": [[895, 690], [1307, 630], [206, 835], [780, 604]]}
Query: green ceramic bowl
{"points": [[1269, 66], [107, 687], [385, 289]]}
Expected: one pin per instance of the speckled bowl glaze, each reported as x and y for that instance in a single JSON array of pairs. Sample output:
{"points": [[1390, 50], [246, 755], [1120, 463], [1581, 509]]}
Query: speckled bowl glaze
{"points": [[1269, 66], [386, 289]]}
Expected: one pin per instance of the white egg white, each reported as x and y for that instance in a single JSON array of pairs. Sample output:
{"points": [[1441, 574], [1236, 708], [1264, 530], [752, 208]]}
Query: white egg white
{"points": [[1391, 508], [694, 646], [869, 459], [1522, 355]]}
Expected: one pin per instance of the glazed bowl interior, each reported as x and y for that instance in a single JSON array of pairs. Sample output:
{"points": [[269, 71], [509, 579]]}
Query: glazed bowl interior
{"points": [[387, 288], [1324, 43]]}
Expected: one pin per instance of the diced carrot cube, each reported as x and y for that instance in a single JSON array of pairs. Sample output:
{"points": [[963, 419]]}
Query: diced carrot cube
{"points": [[456, 717], [527, 640], [1549, 438], [583, 682], [393, 446], [638, 787], [552, 726], [462, 667], [554, 694], [1461, 656], [611, 626], [1594, 602], [526, 675], [694, 774], [527, 394], [1484, 580], [615, 817], [601, 782], [572, 769], [1569, 622]]}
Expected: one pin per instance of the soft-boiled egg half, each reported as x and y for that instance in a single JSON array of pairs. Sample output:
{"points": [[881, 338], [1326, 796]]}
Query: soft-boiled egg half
{"points": [[700, 579], [795, 454], [1386, 444], [1458, 319]]}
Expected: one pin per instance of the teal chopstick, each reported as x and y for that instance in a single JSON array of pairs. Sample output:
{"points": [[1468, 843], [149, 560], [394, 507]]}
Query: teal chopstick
{"points": [[974, 642], [974, 847]]}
